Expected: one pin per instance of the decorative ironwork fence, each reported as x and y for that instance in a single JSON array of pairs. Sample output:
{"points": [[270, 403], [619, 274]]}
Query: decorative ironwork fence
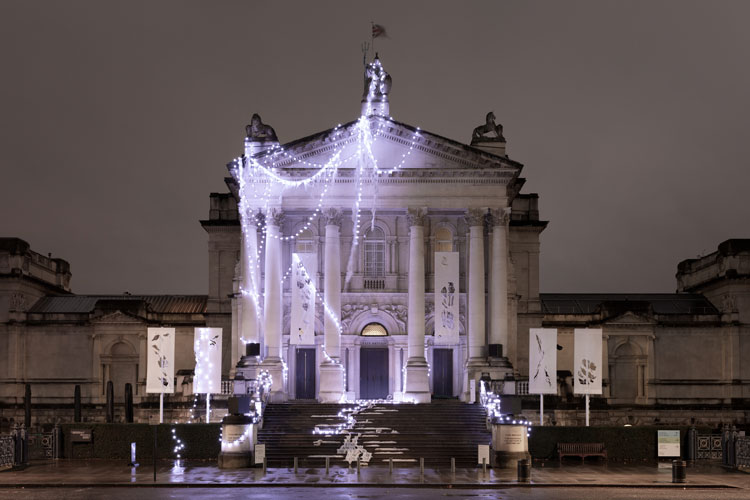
{"points": [[742, 451], [708, 447], [7, 451], [41, 445]]}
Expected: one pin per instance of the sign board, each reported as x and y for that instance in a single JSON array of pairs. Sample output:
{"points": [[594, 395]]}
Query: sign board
{"points": [[160, 363], [207, 348], [587, 365], [446, 298], [543, 361], [80, 435], [472, 391], [483, 453], [260, 453], [668, 443]]}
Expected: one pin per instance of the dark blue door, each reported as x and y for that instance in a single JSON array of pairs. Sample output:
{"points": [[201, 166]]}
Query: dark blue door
{"points": [[304, 387], [442, 373], [373, 373]]}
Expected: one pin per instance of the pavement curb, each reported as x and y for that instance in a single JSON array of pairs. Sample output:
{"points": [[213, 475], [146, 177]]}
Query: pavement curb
{"points": [[498, 485]]}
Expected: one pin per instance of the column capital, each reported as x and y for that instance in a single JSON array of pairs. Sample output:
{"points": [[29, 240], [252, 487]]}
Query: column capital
{"points": [[274, 217], [253, 218], [332, 216], [499, 216], [475, 216], [416, 216]]}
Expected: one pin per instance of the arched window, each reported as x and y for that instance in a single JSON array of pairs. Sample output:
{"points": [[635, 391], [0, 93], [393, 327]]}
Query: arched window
{"points": [[305, 242], [375, 253], [443, 240], [374, 330]]}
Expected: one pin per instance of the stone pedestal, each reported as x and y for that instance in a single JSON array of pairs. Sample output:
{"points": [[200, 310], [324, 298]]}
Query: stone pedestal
{"points": [[238, 438], [417, 387], [331, 382], [275, 368], [510, 444]]}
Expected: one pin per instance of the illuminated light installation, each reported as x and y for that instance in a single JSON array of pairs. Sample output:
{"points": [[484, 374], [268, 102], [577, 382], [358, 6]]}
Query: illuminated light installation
{"points": [[262, 185], [492, 403], [207, 379]]}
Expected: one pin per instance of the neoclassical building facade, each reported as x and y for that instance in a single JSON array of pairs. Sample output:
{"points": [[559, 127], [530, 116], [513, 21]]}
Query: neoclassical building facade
{"points": [[376, 212]]}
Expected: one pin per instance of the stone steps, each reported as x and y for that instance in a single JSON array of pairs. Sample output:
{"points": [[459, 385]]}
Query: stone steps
{"points": [[403, 432]]}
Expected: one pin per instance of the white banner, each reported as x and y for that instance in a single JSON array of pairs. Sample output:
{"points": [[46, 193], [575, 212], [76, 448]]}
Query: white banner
{"points": [[160, 365], [304, 270], [587, 367], [543, 361], [207, 347], [446, 298]]}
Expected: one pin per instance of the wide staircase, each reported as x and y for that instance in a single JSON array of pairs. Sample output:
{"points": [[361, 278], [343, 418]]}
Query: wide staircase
{"points": [[405, 433]]}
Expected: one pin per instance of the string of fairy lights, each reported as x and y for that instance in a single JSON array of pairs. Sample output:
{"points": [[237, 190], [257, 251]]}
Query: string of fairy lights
{"points": [[262, 182]]}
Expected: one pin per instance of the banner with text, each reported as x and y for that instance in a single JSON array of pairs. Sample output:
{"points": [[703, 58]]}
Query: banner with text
{"points": [[304, 271], [160, 362], [543, 361], [207, 347], [587, 367], [446, 298]]}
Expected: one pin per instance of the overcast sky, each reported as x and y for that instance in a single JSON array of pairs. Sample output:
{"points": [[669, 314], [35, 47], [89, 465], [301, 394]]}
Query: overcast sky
{"points": [[631, 118]]}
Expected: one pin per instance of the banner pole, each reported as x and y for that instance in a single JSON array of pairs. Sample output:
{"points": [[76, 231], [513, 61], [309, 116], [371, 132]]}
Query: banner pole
{"points": [[541, 409], [587, 410], [161, 407], [208, 408]]}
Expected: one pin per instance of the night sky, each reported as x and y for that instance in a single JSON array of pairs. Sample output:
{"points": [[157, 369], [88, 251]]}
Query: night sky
{"points": [[631, 118]]}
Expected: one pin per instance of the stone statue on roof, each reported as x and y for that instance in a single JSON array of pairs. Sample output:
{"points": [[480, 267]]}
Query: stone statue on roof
{"points": [[259, 131], [489, 132], [377, 81]]}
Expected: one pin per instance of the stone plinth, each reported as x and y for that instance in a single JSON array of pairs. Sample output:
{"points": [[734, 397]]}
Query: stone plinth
{"points": [[238, 440], [510, 444], [417, 388], [331, 382]]}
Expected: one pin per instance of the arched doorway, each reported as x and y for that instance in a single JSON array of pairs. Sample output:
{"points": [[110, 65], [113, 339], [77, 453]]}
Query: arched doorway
{"points": [[373, 363]]}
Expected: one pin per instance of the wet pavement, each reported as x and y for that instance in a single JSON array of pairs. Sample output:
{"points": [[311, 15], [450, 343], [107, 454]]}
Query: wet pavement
{"points": [[106, 473]]}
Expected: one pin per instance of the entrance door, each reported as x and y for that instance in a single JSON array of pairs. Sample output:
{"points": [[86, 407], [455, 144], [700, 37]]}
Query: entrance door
{"points": [[304, 368], [442, 373], [373, 373]]}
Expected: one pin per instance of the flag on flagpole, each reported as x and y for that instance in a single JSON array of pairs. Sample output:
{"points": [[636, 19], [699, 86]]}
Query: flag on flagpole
{"points": [[378, 31]]}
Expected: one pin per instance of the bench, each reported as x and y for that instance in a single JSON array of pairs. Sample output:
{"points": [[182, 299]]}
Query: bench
{"points": [[582, 450]]}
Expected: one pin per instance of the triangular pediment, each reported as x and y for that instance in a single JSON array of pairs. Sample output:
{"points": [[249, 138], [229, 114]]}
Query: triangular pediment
{"points": [[393, 142], [631, 318], [118, 317]]}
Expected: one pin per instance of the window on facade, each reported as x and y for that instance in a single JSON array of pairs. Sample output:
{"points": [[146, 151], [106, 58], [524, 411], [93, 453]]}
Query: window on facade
{"points": [[375, 253], [374, 330], [305, 243], [443, 240]]}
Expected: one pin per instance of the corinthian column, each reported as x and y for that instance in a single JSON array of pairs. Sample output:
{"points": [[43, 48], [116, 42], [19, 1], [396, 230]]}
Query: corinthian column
{"points": [[417, 381], [476, 338], [249, 282], [273, 305], [331, 371], [499, 291]]}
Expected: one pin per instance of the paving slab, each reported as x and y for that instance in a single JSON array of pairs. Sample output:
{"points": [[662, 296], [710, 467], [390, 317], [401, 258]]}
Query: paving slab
{"points": [[83, 473]]}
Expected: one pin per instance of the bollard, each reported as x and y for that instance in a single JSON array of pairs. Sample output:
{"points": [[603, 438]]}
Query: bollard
{"points": [[265, 465], [327, 464], [453, 466], [390, 465], [295, 465], [358, 463], [421, 468], [484, 466], [679, 471], [524, 471]]}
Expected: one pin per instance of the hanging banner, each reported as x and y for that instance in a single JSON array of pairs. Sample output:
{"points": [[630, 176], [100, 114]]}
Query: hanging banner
{"points": [[304, 270], [543, 361], [160, 362], [207, 347], [587, 367], [446, 298]]}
